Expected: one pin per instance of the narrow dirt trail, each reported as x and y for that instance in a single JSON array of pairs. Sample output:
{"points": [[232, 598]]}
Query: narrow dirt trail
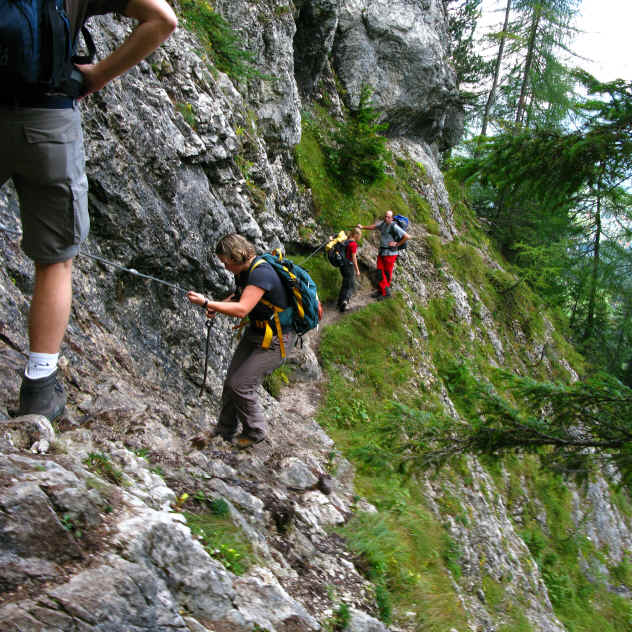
{"points": [[303, 398]]}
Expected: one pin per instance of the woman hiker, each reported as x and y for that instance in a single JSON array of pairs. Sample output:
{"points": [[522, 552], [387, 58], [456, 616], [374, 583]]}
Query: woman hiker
{"points": [[250, 362], [349, 270]]}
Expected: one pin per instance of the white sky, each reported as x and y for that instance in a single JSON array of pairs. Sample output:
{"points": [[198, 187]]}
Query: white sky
{"points": [[606, 42], [608, 38]]}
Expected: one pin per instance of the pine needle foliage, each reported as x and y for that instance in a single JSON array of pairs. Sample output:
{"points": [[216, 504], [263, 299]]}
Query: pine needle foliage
{"points": [[549, 196], [574, 428], [546, 169], [358, 153]]}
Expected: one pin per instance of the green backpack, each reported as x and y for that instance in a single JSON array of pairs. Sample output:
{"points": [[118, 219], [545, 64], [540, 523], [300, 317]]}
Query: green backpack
{"points": [[305, 310]]}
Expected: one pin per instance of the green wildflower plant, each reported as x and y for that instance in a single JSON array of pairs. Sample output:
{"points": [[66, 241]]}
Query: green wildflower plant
{"points": [[220, 539], [221, 41]]}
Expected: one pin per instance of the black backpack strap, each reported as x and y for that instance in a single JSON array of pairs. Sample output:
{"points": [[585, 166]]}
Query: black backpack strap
{"points": [[54, 43], [92, 49]]}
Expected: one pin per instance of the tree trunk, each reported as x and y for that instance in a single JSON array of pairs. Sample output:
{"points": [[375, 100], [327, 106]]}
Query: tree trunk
{"points": [[578, 294], [491, 97], [592, 299], [617, 360], [528, 63]]}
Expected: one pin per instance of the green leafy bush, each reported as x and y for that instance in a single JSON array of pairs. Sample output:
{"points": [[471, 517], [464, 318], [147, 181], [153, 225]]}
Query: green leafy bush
{"points": [[100, 464]]}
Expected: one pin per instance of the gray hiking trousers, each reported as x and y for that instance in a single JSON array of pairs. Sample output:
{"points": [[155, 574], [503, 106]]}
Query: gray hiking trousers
{"points": [[250, 364], [42, 151]]}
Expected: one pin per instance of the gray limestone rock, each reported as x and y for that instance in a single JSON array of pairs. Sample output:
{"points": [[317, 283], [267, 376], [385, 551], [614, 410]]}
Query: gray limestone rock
{"points": [[178, 155], [362, 622], [262, 600], [399, 49], [33, 432], [316, 23], [296, 474]]}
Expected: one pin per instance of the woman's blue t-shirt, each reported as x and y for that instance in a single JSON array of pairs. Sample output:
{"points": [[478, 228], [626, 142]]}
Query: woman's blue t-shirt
{"points": [[265, 277]]}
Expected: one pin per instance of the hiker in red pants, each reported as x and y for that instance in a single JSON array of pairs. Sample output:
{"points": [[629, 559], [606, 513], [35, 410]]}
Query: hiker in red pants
{"points": [[391, 238]]}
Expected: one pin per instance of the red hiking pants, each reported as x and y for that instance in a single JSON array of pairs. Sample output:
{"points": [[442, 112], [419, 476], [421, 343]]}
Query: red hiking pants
{"points": [[385, 265]]}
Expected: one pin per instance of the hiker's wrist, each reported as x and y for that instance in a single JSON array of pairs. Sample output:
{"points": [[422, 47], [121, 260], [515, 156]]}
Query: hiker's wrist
{"points": [[94, 78]]}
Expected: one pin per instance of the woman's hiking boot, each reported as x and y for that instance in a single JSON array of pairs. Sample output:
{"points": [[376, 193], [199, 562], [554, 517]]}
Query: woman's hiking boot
{"points": [[244, 441], [44, 396], [199, 442]]}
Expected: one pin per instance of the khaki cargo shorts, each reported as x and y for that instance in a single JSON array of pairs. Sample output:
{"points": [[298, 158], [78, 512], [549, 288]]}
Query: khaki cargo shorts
{"points": [[41, 150]]}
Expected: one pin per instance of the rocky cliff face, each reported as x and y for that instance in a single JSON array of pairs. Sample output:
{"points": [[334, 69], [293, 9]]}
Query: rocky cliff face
{"points": [[93, 534]]}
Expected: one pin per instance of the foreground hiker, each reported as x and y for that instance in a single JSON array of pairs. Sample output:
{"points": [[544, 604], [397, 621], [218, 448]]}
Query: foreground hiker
{"points": [[256, 282], [349, 269], [42, 151], [391, 238]]}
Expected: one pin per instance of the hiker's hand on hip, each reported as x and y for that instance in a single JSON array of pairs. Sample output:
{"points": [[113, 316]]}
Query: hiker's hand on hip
{"points": [[393, 244], [94, 80]]}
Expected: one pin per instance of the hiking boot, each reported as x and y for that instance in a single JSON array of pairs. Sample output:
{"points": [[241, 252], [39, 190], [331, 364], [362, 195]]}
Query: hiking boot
{"points": [[244, 441], [44, 396], [325, 484], [199, 442]]}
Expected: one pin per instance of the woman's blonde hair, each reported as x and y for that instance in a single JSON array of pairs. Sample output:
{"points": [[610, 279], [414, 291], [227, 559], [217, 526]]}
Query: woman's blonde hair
{"points": [[235, 248], [356, 233]]}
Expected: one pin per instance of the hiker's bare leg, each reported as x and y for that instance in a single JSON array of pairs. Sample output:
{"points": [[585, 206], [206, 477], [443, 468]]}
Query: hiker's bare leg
{"points": [[50, 306]]}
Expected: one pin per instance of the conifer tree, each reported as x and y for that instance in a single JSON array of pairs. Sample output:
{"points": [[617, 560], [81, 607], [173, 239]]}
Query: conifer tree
{"points": [[463, 17], [555, 202], [529, 82], [359, 152], [491, 97], [575, 428], [542, 173]]}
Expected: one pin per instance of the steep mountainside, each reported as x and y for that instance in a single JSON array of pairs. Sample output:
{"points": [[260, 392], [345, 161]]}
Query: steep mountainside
{"points": [[111, 521]]}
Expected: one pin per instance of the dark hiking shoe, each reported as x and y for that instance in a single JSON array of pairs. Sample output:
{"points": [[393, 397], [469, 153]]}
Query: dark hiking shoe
{"points": [[202, 440], [325, 484], [246, 441], [45, 396]]}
